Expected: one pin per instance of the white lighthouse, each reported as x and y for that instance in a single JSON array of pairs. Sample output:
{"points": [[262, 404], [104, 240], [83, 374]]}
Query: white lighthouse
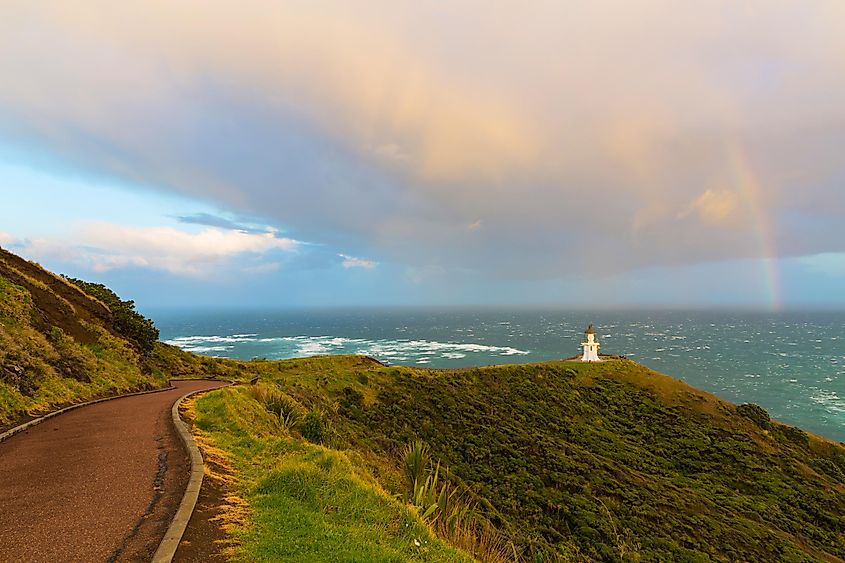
{"points": [[591, 346]]}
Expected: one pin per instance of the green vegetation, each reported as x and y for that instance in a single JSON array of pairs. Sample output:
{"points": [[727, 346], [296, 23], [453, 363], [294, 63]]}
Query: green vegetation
{"points": [[66, 341], [450, 509], [564, 461], [127, 322], [58, 346], [170, 361], [756, 414], [306, 502], [286, 410]]}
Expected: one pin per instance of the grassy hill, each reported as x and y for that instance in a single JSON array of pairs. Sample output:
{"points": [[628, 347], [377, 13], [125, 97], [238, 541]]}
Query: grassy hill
{"points": [[63, 342], [544, 462]]}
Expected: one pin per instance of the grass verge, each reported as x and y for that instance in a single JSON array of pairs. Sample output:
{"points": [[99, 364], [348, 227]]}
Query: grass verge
{"points": [[305, 502]]}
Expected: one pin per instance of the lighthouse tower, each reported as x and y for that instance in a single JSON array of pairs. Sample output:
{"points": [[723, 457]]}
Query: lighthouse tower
{"points": [[591, 346]]}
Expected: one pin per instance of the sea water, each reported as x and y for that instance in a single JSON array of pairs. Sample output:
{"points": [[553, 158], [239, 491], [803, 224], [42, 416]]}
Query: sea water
{"points": [[791, 363]]}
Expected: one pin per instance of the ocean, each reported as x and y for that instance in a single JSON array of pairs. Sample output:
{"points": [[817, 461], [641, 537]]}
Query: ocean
{"points": [[790, 363]]}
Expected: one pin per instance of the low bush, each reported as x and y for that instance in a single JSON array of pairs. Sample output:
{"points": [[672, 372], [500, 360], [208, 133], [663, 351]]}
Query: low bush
{"points": [[756, 414], [316, 428], [795, 435]]}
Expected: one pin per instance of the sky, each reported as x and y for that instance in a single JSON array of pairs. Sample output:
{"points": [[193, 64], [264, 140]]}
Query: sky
{"points": [[271, 154]]}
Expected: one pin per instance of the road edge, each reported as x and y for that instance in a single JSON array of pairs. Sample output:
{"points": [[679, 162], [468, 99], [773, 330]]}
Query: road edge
{"points": [[173, 536], [36, 421]]}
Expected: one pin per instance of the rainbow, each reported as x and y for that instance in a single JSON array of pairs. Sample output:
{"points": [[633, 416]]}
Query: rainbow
{"points": [[747, 183]]}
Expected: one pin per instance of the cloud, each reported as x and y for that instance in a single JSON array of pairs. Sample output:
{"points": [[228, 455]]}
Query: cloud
{"points": [[7, 239], [211, 220], [419, 275], [105, 246], [391, 152], [713, 207], [353, 262], [559, 123]]}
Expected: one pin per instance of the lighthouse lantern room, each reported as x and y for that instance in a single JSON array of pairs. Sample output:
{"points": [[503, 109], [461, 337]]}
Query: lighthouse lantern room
{"points": [[591, 346]]}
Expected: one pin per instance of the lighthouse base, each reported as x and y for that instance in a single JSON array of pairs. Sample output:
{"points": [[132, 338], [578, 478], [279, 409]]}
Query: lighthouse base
{"points": [[591, 352]]}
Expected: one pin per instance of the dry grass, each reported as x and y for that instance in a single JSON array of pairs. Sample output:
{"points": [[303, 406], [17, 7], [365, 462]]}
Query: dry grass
{"points": [[233, 514]]}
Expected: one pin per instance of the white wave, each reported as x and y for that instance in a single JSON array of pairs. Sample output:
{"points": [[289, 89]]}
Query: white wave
{"points": [[187, 340], [388, 349], [312, 349], [830, 400], [204, 349]]}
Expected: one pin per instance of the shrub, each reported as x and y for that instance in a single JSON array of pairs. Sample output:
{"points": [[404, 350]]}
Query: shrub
{"points": [[829, 468], [796, 435], [315, 427], [415, 461], [57, 335], [351, 400], [126, 321], [756, 414]]}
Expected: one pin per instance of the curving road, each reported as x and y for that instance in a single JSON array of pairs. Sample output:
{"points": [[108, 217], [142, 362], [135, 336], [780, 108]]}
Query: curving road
{"points": [[99, 483]]}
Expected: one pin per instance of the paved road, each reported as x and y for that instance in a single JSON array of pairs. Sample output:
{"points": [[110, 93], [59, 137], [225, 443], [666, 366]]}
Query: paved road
{"points": [[98, 483]]}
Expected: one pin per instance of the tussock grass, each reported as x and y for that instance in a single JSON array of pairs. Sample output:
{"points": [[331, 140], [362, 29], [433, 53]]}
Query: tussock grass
{"points": [[450, 509], [287, 411]]}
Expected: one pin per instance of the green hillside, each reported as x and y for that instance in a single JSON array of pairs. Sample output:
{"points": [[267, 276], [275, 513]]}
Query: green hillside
{"points": [[543, 462], [65, 341]]}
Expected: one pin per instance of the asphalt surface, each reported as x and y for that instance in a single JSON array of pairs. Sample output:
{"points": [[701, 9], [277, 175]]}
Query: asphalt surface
{"points": [[99, 483]]}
